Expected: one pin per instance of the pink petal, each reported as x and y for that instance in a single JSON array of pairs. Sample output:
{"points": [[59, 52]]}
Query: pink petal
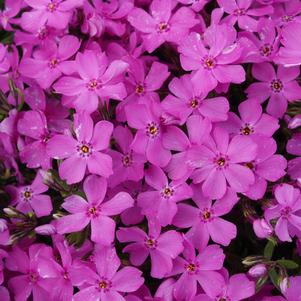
{"points": [[174, 139], [229, 74], [87, 71], [155, 177], [69, 86], [127, 280], [156, 153], [120, 202], [138, 253], [277, 105], [281, 229], [185, 288], [263, 72], [61, 146], [161, 264], [95, 189], [87, 294], [211, 258], [131, 234], [73, 169], [141, 20], [240, 287], [72, 223], [215, 184], [68, 46], [83, 127], [170, 243], [102, 230], [41, 204], [211, 282], [115, 68], [156, 76], [161, 10], [102, 135], [186, 216], [100, 164]]}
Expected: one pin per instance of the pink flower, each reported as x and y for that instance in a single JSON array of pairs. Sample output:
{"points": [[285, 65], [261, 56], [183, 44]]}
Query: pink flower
{"points": [[162, 248], [252, 121], [56, 13], [286, 210], [216, 64], [162, 202], [107, 282], [194, 269], [160, 25], [127, 164], [30, 281], [49, 62], [99, 78], [33, 125], [237, 287], [12, 8], [84, 151], [204, 220], [31, 198], [267, 166], [187, 97], [93, 211], [220, 163], [239, 11], [279, 87]]}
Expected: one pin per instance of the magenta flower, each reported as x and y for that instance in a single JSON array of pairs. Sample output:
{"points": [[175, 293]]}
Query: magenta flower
{"points": [[239, 11], [127, 164], [30, 282], [150, 133], [107, 282], [220, 163], [12, 8], [194, 269], [252, 121], [204, 220], [99, 78], [30, 198], [160, 25], [162, 248], [237, 287], [56, 13], [33, 125], [94, 211], [267, 166], [187, 97], [50, 61], [286, 210], [216, 64], [279, 87], [162, 202], [84, 151]]}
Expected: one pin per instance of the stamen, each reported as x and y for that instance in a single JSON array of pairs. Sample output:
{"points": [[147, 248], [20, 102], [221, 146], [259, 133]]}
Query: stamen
{"points": [[152, 129], [276, 85]]}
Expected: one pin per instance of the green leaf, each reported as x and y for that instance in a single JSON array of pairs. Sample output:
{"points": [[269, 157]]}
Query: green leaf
{"points": [[289, 264], [261, 282], [269, 249], [275, 278]]}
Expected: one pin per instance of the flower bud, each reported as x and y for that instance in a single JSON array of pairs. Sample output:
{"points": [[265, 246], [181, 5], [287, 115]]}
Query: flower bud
{"points": [[252, 260], [284, 282], [257, 270], [262, 228], [45, 229]]}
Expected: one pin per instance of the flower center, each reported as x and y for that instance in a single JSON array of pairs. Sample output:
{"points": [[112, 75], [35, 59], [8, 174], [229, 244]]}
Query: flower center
{"points": [[127, 160], [239, 12], [167, 192], [139, 89], [266, 50], [192, 268], [286, 211], [42, 33], [66, 276], [84, 149], [276, 85], [206, 215], [93, 211], [163, 27], [52, 7], [33, 277], [246, 130], [208, 62], [221, 162], [93, 84], [152, 129], [250, 165], [27, 194], [150, 243], [53, 63], [194, 103], [287, 18], [104, 285]]}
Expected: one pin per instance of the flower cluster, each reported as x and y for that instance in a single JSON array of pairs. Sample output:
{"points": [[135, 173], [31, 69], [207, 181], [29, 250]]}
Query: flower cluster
{"points": [[150, 150]]}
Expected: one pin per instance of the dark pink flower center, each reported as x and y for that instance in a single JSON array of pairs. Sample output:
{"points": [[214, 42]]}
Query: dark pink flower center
{"points": [[51, 7], [192, 267], [276, 85], [194, 103], [221, 162], [84, 149], [26, 194], [206, 215], [287, 18], [167, 192], [104, 284], [150, 243], [152, 129], [247, 130], [66, 276], [93, 84], [93, 211], [250, 165], [239, 12], [42, 33], [127, 160], [208, 62], [53, 63], [139, 89], [286, 211], [33, 277], [266, 50], [222, 299], [163, 27]]}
